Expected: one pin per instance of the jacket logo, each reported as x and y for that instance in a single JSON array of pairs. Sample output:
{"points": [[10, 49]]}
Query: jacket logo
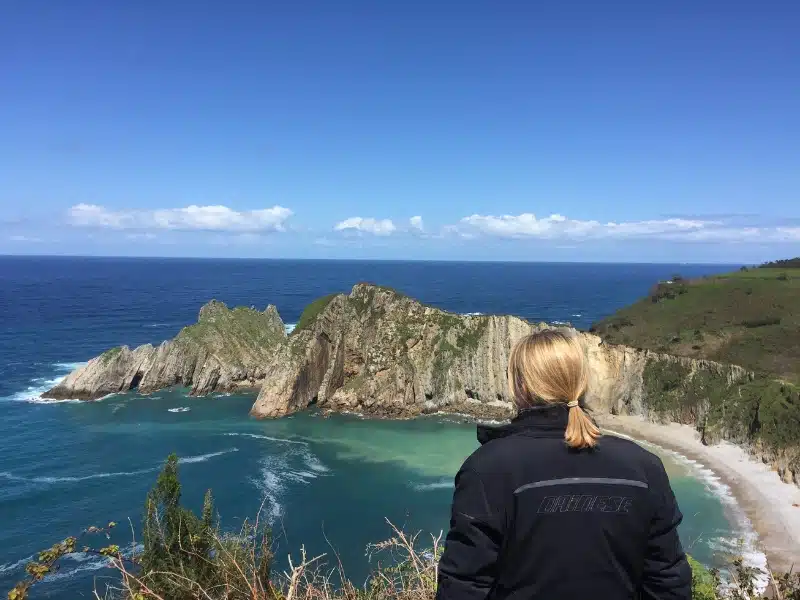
{"points": [[570, 503]]}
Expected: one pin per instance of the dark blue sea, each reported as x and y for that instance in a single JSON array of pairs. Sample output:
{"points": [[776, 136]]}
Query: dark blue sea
{"points": [[67, 465]]}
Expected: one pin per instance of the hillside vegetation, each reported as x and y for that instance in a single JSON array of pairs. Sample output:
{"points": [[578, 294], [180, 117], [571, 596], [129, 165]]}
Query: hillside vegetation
{"points": [[749, 318]]}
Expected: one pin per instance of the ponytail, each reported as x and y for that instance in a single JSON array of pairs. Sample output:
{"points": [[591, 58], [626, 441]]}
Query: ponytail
{"points": [[581, 431], [550, 367]]}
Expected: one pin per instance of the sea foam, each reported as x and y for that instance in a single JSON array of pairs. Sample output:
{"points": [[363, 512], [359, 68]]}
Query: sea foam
{"points": [[187, 460], [55, 479], [258, 436], [436, 485], [279, 470], [50, 479], [39, 385]]}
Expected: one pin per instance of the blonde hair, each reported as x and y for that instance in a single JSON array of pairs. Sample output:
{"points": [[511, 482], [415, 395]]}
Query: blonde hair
{"points": [[550, 367]]}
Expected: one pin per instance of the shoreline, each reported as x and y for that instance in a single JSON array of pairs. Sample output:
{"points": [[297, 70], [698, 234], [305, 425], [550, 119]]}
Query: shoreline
{"points": [[763, 498]]}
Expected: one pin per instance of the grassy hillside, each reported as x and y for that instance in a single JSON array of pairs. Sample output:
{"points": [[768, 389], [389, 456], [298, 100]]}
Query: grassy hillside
{"points": [[749, 318]]}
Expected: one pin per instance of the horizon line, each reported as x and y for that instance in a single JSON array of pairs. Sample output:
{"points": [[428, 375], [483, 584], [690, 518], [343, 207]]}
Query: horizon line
{"points": [[386, 260]]}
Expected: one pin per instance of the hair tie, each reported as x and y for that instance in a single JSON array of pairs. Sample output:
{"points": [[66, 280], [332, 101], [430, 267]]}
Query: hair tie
{"points": [[573, 404]]}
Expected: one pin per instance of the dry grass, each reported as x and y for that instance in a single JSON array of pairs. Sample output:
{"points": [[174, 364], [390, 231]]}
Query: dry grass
{"points": [[403, 572]]}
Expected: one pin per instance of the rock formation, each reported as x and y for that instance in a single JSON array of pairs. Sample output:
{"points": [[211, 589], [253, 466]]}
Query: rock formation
{"points": [[382, 353], [226, 349]]}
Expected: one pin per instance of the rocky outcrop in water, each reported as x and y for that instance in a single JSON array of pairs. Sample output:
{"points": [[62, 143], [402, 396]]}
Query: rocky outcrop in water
{"points": [[227, 349]]}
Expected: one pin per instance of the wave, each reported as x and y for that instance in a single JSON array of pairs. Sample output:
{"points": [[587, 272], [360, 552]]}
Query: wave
{"points": [[204, 457], [289, 327], [11, 567], [577, 315], [472, 314], [71, 479], [180, 409], [55, 479], [271, 485], [314, 463], [437, 485], [39, 385], [278, 471], [258, 436]]}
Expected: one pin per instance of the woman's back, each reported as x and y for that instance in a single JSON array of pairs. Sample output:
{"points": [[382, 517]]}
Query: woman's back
{"points": [[533, 518]]}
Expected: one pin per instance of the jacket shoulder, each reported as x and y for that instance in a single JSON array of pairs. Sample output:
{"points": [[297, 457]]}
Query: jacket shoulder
{"points": [[503, 453], [632, 449]]}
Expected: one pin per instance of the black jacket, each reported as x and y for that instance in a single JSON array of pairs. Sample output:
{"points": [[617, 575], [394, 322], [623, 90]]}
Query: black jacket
{"points": [[533, 519]]}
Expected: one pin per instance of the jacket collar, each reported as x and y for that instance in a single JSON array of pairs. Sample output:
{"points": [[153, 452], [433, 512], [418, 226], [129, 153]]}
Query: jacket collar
{"points": [[551, 418]]}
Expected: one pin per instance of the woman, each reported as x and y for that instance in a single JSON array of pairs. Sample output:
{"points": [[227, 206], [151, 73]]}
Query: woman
{"points": [[547, 509]]}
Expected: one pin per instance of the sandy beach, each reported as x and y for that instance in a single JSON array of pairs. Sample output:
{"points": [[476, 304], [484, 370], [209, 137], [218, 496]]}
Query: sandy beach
{"points": [[770, 504]]}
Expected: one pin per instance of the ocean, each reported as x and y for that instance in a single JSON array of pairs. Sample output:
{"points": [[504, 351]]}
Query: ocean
{"points": [[329, 483]]}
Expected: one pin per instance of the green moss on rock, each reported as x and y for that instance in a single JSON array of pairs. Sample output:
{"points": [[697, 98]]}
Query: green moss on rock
{"points": [[312, 311], [110, 354]]}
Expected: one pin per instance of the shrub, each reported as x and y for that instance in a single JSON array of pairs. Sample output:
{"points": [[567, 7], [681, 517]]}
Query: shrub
{"points": [[668, 291], [704, 581]]}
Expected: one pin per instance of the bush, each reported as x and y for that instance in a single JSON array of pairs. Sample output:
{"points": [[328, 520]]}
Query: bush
{"points": [[704, 581], [668, 291], [787, 263]]}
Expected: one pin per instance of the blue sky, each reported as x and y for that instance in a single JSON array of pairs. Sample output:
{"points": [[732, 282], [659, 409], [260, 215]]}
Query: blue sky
{"points": [[633, 131]]}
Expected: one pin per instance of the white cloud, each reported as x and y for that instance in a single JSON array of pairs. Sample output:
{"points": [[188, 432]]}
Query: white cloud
{"points": [[789, 234], [367, 225], [190, 218], [25, 239], [559, 226], [416, 223], [92, 215]]}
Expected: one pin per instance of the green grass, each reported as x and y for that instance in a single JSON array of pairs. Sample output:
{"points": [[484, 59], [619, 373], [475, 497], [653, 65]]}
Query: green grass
{"points": [[312, 311], [762, 273], [234, 334], [109, 355], [749, 318]]}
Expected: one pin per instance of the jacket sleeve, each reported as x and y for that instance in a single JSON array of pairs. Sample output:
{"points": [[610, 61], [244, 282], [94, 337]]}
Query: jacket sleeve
{"points": [[467, 567], [666, 574]]}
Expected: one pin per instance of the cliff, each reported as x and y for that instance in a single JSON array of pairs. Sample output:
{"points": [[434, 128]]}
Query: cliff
{"points": [[378, 352], [225, 350], [749, 317]]}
